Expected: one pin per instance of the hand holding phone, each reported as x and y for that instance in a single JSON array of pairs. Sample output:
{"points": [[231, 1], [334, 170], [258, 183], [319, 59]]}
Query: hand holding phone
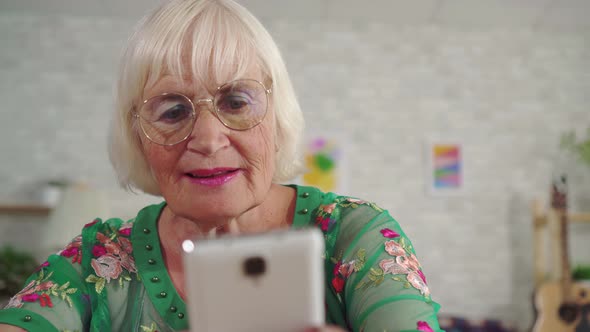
{"points": [[265, 282]]}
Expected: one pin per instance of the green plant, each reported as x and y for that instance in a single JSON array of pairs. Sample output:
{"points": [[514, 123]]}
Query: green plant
{"points": [[581, 272], [581, 149], [15, 267]]}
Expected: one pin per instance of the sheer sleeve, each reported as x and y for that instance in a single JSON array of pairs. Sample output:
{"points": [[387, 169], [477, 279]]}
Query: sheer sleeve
{"points": [[376, 275], [54, 298]]}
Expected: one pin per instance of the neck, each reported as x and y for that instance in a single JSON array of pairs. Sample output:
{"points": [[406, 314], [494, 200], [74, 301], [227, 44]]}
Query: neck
{"points": [[275, 212]]}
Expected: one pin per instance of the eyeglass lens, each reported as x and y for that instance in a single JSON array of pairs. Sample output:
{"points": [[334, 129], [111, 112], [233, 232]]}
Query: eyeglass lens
{"points": [[169, 118]]}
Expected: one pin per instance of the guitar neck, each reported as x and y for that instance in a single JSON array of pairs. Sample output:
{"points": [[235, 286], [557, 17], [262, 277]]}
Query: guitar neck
{"points": [[566, 275], [559, 205]]}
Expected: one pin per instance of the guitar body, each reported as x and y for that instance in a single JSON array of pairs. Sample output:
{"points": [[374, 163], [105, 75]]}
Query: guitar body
{"points": [[562, 306], [549, 300]]}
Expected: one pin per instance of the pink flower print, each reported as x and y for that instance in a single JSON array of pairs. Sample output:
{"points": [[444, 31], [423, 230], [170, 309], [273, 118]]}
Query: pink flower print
{"points": [[44, 286], [346, 269], [324, 223], [45, 300], [29, 289], [45, 264], [393, 267], [422, 276], [98, 251], [413, 262], [107, 266], [102, 238], [125, 230], [336, 269], [338, 284], [111, 247], [127, 262], [409, 262], [403, 261], [416, 281], [424, 327], [125, 245], [356, 201], [15, 302], [73, 250], [91, 223], [30, 297], [388, 233], [69, 252], [394, 249], [329, 208]]}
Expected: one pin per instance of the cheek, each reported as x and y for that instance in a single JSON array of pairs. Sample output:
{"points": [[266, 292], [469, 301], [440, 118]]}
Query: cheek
{"points": [[269, 154], [259, 149], [267, 144], [160, 159]]}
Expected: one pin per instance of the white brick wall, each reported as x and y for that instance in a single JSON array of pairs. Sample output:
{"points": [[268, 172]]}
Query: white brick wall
{"points": [[506, 94]]}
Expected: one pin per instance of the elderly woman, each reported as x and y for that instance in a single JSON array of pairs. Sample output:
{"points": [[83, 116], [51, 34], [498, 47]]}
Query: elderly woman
{"points": [[207, 118]]}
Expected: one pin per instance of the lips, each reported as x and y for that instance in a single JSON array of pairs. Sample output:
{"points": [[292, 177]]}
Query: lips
{"points": [[211, 173], [214, 177]]}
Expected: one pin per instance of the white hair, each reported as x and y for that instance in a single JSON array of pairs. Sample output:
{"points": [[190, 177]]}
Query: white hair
{"points": [[220, 40]]}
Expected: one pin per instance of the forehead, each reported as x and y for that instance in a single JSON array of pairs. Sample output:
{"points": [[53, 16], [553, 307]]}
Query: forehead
{"points": [[190, 84]]}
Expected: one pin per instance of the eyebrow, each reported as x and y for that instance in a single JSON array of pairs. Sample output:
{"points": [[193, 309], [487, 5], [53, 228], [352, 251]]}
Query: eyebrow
{"points": [[170, 84]]}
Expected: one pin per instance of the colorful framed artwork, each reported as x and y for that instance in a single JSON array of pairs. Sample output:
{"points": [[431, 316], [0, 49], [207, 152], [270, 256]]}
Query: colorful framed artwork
{"points": [[446, 168], [325, 163]]}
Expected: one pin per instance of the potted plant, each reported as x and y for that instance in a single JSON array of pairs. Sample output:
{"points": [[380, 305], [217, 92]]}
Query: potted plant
{"points": [[576, 166], [580, 149], [581, 273]]}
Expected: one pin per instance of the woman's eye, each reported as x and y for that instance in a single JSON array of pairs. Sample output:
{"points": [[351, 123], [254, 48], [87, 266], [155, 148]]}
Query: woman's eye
{"points": [[234, 103], [174, 114]]}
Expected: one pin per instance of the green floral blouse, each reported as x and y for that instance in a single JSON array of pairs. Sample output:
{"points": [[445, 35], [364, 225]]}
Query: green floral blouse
{"points": [[112, 277]]}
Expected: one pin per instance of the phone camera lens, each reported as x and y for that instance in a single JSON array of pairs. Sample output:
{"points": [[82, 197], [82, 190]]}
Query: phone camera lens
{"points": [[254, 266]]}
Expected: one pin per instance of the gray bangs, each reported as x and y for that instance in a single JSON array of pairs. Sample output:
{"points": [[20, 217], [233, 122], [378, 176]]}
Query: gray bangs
{"points": [[212, 48]]}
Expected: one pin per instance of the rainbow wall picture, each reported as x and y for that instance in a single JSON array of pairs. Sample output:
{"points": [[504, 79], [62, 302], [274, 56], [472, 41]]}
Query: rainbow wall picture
{"points": [[446, 167]]}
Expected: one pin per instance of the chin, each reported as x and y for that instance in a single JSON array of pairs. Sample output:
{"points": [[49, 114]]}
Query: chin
{"points": [[208, 210]]}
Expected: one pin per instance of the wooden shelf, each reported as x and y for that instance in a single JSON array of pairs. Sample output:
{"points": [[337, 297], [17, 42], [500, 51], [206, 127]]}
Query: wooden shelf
{"points": [[579, 217], [24, 209]]}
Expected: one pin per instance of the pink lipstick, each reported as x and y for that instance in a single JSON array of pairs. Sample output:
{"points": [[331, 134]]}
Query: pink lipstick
{"points": [[212, 177]]}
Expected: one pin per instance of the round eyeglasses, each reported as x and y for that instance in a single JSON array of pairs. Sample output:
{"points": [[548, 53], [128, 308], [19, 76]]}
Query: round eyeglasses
{"points": [[169, 118]]}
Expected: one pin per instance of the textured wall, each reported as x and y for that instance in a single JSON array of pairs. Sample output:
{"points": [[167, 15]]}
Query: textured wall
{"points": [[507, 95]]}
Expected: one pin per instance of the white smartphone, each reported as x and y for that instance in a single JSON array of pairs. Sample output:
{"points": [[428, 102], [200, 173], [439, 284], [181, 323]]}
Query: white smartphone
{"points": [[265, 282]]}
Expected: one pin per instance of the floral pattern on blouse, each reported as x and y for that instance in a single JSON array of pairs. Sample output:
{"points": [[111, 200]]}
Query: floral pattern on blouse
{"points": [[40, 290], [424, 327], [112, 257], [152, 328], [73, 250], [326, 216], [404, 262], [343, 270]]}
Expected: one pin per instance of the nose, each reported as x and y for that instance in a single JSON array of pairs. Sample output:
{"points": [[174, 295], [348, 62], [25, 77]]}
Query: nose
{"points": [[209, 135]]}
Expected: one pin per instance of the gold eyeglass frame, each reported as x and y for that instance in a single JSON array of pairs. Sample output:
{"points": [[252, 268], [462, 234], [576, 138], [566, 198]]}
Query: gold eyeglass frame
{"points": [[213, 109]]}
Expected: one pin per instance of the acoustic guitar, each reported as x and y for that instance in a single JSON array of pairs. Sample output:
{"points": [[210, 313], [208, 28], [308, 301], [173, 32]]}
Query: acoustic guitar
{"points": [[562, 306]]}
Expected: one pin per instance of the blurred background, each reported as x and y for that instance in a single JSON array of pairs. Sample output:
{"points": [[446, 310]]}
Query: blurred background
{"points": [[504, 80]]}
